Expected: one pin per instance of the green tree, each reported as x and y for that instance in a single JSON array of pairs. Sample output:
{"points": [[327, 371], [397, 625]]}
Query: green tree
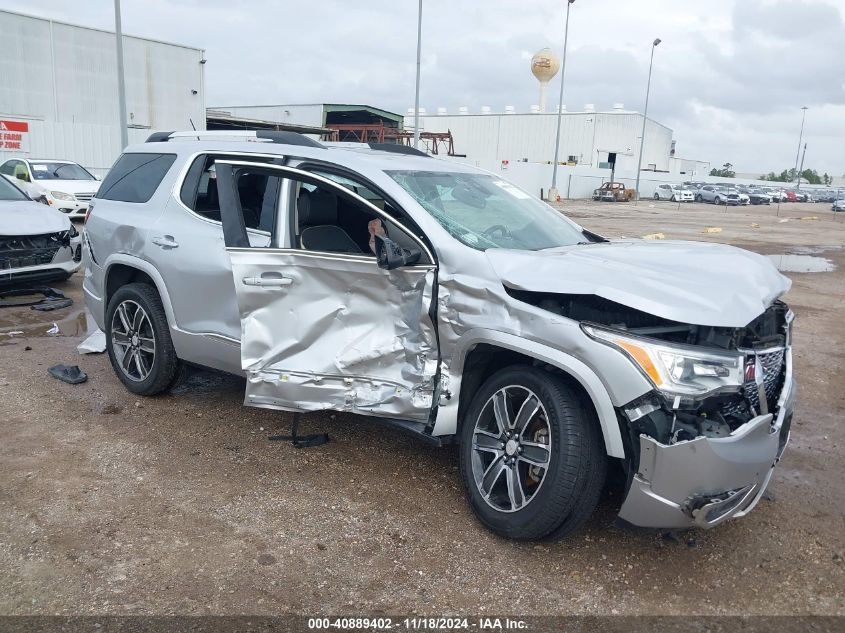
{"points": [[826, 180], [725, 172]]}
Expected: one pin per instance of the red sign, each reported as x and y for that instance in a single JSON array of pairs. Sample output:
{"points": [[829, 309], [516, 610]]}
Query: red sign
{"points": [[12, 135]]}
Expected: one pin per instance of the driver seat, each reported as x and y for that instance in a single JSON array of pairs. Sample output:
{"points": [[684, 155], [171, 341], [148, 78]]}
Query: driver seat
{"points": [[318, 229]]}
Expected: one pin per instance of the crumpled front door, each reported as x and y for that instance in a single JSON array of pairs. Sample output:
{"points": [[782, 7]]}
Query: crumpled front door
{"points": [[326, 330]]}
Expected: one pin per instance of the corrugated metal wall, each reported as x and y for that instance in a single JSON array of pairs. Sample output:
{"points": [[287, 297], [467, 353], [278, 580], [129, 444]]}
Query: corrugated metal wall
{"points": [[585, 135], [62, 79]]}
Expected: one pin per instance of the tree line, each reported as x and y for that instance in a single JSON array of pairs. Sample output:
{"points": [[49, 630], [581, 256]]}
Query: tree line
{"points": [[787, 175]]}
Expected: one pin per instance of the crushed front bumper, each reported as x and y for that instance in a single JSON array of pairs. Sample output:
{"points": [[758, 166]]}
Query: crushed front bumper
{"points": [[708, 480]]}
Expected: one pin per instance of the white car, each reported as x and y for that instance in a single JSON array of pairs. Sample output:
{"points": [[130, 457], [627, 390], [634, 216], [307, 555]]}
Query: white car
{"points": [[37, 243], [673, 192], [66, 185], [838, 205]]}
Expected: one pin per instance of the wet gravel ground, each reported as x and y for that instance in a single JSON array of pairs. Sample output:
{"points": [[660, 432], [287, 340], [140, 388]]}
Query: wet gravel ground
{"points": [[110, 503]]}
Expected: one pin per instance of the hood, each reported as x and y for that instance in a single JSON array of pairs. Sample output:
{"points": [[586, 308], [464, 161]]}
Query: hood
{"points": [[689, 282], [68, 186], [30, 218]]}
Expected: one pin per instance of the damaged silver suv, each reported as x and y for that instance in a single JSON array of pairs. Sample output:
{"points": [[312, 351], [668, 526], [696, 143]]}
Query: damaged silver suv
{"points": [[442, 299]]}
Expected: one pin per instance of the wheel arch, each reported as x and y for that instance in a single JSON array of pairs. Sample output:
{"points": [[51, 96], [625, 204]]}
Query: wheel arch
{"points": [[124, 269], [479, 354]]}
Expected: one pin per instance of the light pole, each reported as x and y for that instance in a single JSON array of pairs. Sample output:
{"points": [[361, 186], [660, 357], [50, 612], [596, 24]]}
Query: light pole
{"points": [[645, 117], [800, 138], [121, 82], [417, 90], [553, 194]]}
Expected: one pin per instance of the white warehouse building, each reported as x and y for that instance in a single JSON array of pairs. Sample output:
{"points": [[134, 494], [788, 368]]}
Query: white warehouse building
{"points": [[59, 99], [523, 145]]}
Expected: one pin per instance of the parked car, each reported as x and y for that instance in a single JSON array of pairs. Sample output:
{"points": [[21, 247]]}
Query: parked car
{"points": [[717, 195], [37, 243], [66, 185], [803, 196], [32, 192], [778, 194], [614, 192], [451, 304], [756, 196], [673, 192], [838, 205]]}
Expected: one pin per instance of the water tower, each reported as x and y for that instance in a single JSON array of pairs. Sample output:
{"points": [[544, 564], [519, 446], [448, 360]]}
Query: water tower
{"points": [[544, 65]]}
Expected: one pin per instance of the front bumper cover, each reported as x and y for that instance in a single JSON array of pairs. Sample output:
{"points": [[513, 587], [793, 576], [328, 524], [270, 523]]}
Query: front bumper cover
{"points": [[708, 480]]}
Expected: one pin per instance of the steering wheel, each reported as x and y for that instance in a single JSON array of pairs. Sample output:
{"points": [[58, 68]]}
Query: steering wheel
{"points": [[500, 228]]}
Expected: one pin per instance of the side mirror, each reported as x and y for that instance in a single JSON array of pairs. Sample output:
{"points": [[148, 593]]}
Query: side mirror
{"points": [[390, 255], [22, 176]]}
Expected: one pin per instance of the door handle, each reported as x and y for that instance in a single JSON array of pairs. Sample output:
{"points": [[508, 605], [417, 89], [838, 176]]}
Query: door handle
{"points": [[165, 241], [268, 282]]}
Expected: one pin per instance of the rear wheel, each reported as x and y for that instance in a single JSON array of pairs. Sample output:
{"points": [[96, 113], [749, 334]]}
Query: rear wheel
{"points": [[138, 340], [532, 460], [674, 198], [718, 200], [657, 196]]}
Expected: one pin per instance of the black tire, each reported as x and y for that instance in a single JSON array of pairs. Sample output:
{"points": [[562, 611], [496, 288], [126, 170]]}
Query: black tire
{"points": [[674, 198], [657, 196], [165, 367], [717, 200], [573, 480], [698, 198]]}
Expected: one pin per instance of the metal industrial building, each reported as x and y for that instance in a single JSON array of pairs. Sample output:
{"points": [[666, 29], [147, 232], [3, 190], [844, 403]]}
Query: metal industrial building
{"points": [[330, 121], [59, 90], [587, 138]]}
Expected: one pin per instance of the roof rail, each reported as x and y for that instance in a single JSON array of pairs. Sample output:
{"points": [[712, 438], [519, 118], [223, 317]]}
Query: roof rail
{"points": [[396, 148], [266, 136], [158, 137]]}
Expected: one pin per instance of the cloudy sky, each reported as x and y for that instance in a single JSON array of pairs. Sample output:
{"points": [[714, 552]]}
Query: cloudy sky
{"points": [[730, 76]]}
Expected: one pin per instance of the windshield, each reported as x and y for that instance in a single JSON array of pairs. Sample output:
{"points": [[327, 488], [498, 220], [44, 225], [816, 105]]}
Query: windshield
{"points": [[59, 171], [483, 211], [8, 191]]}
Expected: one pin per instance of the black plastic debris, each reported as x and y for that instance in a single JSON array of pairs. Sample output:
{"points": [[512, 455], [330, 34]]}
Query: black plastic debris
{"points": [[52, 304], [50, 299], [301, 441], [70, 374]]}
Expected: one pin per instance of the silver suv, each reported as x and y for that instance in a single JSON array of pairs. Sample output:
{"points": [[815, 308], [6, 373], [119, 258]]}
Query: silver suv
{"points": [[379, 281]]}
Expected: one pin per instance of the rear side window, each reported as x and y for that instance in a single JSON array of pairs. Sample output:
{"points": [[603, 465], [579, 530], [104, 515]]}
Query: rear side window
{"points": [[135, 177]]}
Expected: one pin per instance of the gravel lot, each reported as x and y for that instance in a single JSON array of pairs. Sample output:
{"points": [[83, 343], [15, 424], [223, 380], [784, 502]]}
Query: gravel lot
{"points": [[179, 505]]}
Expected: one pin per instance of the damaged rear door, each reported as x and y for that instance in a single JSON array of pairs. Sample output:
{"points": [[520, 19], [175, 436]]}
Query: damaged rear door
{"points": [[322, 325]]}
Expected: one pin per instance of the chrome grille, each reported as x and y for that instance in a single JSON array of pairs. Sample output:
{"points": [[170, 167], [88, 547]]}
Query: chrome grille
{"points": [[84, 197], [772, 363]]}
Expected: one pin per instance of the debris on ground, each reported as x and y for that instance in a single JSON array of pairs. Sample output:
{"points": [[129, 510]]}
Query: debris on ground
{"points": [[94, 344], [713, 229], [49, 299], [53, 331], [70, 374], [810, 217], [754, 225], [654, 236]]}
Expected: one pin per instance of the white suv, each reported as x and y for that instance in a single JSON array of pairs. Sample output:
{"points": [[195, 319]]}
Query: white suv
{"points": [[444, 300]]}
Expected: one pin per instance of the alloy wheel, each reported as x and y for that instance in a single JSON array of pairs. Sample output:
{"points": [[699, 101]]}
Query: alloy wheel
{"points": [[511, 448], [133, 340]]}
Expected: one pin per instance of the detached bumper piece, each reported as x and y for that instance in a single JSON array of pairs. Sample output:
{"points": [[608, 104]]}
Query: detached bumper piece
{"points": [[708, 480]]}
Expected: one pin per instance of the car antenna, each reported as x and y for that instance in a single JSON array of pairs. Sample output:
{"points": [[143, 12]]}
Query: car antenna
{"points": [[193, 126]]}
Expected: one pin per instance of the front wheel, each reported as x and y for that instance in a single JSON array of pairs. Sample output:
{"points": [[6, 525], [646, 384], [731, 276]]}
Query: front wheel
{"points": [[138, 340], [674, 198], [532, 460], [717, 201], [657, 196]]}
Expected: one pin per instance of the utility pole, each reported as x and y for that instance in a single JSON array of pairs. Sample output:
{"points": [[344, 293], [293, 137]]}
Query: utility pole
{"points": [[800, 138], [121, 82], [801, 168], [553, 193], [645, 117], [417, 91]]}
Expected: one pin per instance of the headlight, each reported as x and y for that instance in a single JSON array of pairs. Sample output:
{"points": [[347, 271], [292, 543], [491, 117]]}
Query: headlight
{"points": [[61, 195], [677, 370]]}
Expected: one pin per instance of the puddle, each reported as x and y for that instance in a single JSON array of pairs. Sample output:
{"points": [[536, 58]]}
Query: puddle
{"points": [[802, 263], [30, 323], [813, 250]]}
